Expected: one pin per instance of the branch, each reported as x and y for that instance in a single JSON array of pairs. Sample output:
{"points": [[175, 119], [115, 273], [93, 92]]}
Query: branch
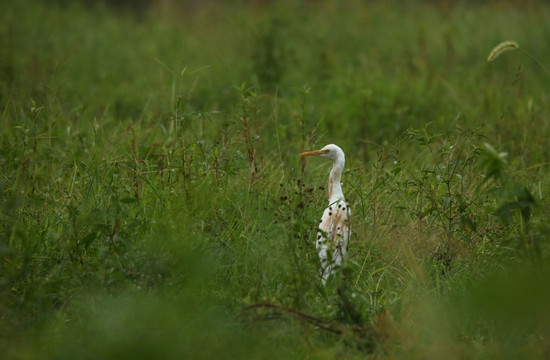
{"points": [[323, 324]]}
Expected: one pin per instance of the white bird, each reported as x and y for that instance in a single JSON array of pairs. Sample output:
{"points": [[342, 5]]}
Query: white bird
{"points": [[334, 228]]}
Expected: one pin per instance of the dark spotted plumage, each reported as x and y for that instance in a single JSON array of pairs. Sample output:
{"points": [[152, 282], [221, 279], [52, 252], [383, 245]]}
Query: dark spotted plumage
{"points": [[334, 230]]}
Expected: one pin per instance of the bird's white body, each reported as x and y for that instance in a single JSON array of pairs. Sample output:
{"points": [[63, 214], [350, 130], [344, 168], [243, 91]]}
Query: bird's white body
{"points": [[334, 227]]}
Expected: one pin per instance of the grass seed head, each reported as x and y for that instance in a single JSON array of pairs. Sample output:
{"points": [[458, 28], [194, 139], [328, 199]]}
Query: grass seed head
{"points": [[500, 48]]}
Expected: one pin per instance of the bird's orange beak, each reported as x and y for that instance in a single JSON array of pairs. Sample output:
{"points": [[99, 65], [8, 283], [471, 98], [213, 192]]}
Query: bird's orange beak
{"points": [[314, 153]]}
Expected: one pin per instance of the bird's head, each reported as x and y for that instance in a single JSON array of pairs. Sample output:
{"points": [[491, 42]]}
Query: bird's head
{"points": [[331, 151]]}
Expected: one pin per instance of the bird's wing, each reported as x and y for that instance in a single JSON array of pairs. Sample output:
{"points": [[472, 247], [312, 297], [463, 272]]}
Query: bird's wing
{"points": [[334, 228]]}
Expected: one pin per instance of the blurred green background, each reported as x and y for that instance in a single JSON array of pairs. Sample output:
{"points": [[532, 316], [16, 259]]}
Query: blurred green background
{"points": [[153, 204]]}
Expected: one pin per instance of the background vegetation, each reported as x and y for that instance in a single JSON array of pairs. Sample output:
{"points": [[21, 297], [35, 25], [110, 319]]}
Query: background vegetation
{"points": [[153, 205]]}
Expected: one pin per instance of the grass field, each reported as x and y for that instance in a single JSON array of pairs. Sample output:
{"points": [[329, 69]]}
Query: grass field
{"points": [[153, 204]]}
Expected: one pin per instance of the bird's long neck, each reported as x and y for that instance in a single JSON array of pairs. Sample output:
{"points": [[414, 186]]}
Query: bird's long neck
{"points": [[334, 186]]}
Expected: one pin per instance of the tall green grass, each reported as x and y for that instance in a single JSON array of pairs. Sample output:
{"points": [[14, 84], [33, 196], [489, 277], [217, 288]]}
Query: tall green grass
{"points": [[153, 203]]}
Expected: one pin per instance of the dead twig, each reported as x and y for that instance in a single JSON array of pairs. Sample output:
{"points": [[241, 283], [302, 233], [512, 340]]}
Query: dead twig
{"points": [[324, 324]]}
